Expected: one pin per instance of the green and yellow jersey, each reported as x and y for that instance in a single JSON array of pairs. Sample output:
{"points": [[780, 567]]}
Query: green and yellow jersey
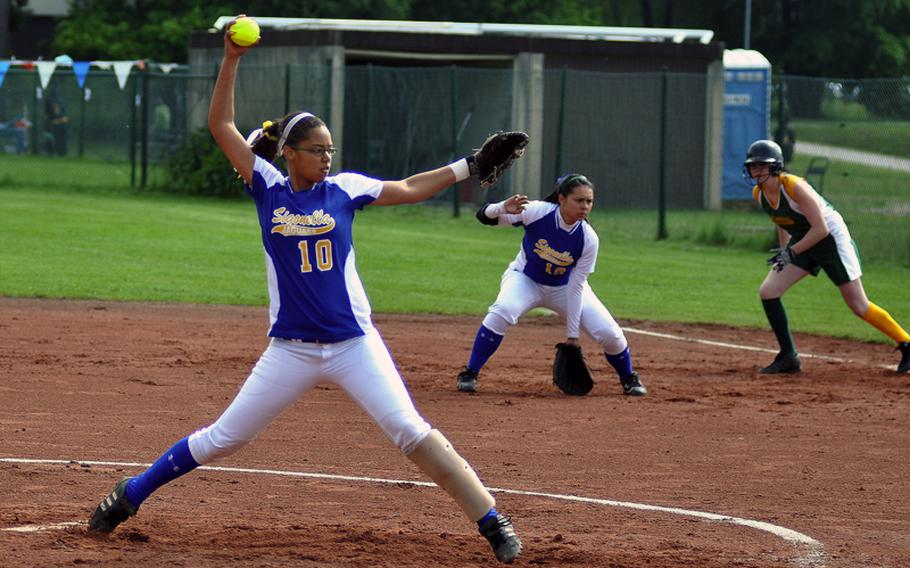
{"points": [[787, 214]]}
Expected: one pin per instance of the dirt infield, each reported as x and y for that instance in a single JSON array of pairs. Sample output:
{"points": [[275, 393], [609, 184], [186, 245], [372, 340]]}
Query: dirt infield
{"points": [[806, 471]]}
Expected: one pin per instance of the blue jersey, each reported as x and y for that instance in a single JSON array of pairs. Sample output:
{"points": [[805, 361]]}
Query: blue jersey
{"points": [[315, 293], [551, 249]]}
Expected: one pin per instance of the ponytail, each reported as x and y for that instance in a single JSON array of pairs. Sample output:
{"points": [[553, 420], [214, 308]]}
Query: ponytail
{"points": [[265, 143]]}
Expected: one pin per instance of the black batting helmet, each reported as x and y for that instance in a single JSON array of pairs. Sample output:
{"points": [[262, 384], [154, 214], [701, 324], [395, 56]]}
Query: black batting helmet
{"points": [[765, 152]]}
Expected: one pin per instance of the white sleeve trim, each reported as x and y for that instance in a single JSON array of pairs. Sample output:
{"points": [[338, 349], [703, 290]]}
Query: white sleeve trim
{"points": [[534, 211], [494, 210], [270, 174]]}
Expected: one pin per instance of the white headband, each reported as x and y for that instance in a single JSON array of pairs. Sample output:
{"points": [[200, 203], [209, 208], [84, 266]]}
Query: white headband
{"points": [[290, 126]]}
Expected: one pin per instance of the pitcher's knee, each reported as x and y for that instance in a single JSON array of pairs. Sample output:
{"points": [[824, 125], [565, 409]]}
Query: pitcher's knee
{"points": [[212, 443], [406, 429]]}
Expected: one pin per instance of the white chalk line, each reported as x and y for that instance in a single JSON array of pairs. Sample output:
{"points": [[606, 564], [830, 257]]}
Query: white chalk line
{"points": [[813, 553], [742, 347], [40, 528]]}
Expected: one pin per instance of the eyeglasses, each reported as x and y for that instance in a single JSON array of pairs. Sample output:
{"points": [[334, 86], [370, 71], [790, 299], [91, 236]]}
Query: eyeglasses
{"points": [[318, 151]]}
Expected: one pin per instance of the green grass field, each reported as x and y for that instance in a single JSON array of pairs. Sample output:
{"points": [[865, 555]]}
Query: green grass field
{"points": [[880, 136], [84, 235]]}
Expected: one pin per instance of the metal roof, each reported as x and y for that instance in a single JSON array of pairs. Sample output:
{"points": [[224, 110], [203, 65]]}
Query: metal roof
{"points": [[745, 59], [594, 33]]}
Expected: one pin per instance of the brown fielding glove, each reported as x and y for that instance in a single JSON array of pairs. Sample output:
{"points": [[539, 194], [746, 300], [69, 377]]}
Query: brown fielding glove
{"points": [[570, 372], [496, 155]]}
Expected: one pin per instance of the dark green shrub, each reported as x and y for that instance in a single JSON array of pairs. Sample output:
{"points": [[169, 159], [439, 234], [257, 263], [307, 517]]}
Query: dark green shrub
{"points": [[198, 167]]}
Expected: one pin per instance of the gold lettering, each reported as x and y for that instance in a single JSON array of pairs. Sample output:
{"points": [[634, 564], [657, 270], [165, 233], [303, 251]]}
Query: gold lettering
{"points": [[544, 251], [783, 221], [291, 224]]}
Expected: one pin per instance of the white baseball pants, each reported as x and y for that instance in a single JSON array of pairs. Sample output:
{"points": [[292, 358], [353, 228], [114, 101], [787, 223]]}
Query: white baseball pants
{"points": [[362, 366], [518, 295]]}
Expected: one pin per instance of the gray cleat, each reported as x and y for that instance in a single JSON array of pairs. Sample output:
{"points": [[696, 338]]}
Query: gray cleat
{"points": [[631, 385], [499, 531], [467, 381]]}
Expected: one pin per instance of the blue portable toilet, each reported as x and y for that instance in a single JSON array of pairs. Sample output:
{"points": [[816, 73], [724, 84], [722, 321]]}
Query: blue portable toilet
{"points": [[747, 114]]}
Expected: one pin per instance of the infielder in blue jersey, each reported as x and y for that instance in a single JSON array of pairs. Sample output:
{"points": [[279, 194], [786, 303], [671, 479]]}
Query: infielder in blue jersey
{"points": [[320, 325], [558, 252]]}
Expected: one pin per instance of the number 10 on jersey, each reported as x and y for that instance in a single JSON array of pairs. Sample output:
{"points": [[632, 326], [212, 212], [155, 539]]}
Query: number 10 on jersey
{"points": [[322, 255]]}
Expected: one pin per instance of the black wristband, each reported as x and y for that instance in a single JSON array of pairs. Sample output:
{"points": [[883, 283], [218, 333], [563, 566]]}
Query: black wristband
{"points": [[472, 164], [482, 217]]}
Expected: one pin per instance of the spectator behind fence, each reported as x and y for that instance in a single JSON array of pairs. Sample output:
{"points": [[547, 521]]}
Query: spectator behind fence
{"points": [[55, 114], [17, 131], [786, 139]]}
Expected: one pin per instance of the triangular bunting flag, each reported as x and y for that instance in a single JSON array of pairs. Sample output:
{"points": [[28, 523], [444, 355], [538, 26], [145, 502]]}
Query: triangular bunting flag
{"points": [[4, 67], [45, 70], [80, 68], [122, 71], [105, 65], [167, 67]]}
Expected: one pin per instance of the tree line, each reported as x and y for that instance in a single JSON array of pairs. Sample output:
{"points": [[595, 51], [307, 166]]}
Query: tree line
{"points": [[816, 38]]}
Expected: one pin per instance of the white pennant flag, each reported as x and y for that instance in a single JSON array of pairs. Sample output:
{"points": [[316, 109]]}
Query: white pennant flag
{"points": [[122, 71], [45, 70], [167, 67]]}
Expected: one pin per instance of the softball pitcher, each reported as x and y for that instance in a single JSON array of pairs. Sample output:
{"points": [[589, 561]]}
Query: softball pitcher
{"points": [[813, 237], [558, 252], [321, 330]]}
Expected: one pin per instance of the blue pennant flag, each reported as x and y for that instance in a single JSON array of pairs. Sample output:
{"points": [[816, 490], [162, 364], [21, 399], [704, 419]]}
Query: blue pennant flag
{"points": [[80, 68], [4, 66]]}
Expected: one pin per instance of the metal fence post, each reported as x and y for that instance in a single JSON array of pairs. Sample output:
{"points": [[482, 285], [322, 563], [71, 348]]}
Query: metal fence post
{"points": [[82, 118], [143, 107], [369, 117], [35, 149], [327, 95], [662, 194], [562, 119], [453, 84], [133, 127], [781, 111], [287, 88]]}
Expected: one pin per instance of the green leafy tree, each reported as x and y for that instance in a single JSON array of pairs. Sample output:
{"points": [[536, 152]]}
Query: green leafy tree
{"points": [[822, 38], [158, 30], [838, 38], [142, 29], [567, 12], [816, 38]]}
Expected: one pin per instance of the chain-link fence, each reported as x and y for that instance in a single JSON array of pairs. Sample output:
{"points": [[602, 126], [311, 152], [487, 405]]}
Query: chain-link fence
{"points": [[851, 139], [139, 123], [638, 136], [396, 120]]}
